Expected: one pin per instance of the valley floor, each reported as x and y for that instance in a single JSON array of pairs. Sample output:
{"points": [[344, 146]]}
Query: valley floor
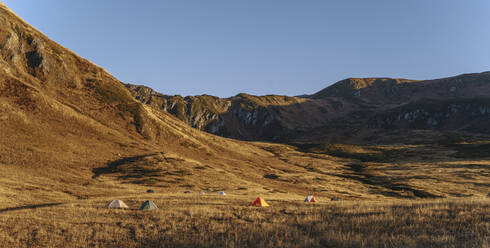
{"points": [[193, 220], [426, 195]]}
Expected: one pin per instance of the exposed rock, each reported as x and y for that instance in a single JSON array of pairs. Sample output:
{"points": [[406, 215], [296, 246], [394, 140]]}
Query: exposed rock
{"points": [[243, 116], [443, 114]]}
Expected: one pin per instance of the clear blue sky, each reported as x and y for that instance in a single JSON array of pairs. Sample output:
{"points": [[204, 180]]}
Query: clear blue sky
{"points": [[224, 47]]}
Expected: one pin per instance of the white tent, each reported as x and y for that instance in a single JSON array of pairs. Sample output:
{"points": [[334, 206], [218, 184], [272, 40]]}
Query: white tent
{"points": [[116, 204], [202, 193], [222, 193]]}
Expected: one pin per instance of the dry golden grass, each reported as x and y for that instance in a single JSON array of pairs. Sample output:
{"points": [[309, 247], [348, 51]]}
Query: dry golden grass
{"points": [[72, 138], [60, 201], [212, 221]]}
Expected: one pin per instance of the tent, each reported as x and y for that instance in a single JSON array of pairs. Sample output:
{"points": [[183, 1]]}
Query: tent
{"points": [[310, 198], [221, 193], [116, 204], [259, 202], [202, 193], [148, 205], [150, 191]]}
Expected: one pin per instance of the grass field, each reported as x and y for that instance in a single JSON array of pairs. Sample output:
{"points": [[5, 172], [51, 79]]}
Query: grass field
{"points": [[193, 220], [424, 195], [391, 196]]}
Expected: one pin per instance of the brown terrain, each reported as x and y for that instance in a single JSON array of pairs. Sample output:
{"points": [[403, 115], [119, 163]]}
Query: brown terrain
{"points": [[369, 110], [408, 160]]}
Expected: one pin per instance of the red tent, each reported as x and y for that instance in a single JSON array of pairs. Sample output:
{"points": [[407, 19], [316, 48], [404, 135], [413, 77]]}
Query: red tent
{"points": [[259, 202]]}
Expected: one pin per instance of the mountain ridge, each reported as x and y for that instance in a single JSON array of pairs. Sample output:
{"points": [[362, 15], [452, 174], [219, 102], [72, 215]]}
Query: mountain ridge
{"points": [[353, 101]]}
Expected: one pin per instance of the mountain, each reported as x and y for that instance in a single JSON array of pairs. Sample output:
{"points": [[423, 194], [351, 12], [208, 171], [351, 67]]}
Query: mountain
{"points": [[400, 91], [361, 107]]}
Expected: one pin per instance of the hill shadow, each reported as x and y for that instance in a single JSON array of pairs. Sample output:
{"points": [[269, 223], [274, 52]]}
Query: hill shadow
{"points": [[153, 169], [113, 166], [437, 151], [35, 206], [386, 185]]}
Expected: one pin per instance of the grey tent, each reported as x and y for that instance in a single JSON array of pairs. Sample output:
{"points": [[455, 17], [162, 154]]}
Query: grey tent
{"points": [[116, 204], [148, 205]]}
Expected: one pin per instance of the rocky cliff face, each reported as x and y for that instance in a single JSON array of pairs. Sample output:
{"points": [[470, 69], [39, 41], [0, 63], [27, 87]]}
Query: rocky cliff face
{"points": [[458, 103], [243, 116], [199, 112]]}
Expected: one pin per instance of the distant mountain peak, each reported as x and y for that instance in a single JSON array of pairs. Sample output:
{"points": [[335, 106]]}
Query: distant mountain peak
{"points": [[349, 87]]}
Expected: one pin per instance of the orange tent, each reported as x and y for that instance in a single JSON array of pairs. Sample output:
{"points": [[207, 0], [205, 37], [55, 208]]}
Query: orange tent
{"points": [[259, 202]]}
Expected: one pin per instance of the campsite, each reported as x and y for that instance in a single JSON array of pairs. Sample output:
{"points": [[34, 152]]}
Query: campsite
{"points": [[244, 124], [184, 220]]}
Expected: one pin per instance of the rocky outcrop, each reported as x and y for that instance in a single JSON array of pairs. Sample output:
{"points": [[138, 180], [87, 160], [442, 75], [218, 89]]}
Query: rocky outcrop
{"points": [[243, 116], [453, 114]]}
